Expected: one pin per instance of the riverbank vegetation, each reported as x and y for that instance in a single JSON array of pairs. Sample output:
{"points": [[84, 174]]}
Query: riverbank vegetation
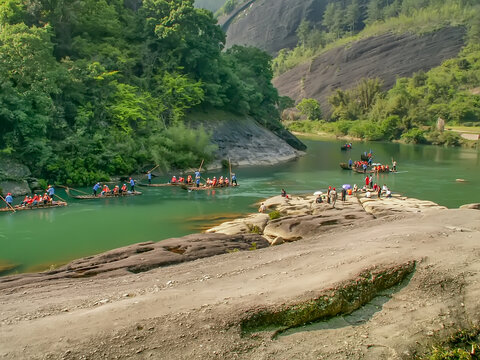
{"points": [[411, 109], [416, 109], [96, 88]]}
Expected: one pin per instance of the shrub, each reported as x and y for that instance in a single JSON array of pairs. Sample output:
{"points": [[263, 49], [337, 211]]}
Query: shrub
{"points": [[414, 136], [275, 214]]}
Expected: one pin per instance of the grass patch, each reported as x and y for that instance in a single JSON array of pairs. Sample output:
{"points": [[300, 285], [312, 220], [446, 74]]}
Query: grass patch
{"points": [[463, 345], [275, 214]]}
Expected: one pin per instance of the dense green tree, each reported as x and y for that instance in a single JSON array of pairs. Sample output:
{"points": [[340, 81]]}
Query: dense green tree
{"points": [[303, 31], [333, 18], [353, 15], [105, 86], [374, 10], [310, 108]]}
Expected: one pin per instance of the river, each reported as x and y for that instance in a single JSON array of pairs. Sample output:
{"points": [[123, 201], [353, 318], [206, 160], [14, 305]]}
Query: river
{"points": [[37, 240]]}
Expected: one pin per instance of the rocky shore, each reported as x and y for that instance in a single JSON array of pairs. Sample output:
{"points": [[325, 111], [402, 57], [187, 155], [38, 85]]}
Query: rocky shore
{"points": [[414, 262]]}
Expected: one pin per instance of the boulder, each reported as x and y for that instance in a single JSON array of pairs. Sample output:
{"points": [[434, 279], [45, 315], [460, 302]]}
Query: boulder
{"points": [[277, 241], [16, 187], [11, 169]]}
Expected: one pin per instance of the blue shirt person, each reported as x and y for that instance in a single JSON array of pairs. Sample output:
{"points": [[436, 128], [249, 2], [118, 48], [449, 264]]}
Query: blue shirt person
{"points": [[95, 188], [9, 199], [234, 179], [149, 177], [197, 178], [132, 185], [350, 163], [51, 191]]}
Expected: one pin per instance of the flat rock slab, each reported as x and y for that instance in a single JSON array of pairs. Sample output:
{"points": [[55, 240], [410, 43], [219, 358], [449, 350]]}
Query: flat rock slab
{"points": [[249, 224], [143, 257], [397, 204]]}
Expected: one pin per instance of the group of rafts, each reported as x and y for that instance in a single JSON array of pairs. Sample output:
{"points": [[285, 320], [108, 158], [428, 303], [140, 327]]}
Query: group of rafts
{"points": [[190, 183], [366, 165]]}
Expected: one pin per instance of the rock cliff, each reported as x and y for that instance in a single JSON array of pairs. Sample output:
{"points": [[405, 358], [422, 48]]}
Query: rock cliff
{"points": [[13, 177], [386, 56], [243, 141], [271, 25]]}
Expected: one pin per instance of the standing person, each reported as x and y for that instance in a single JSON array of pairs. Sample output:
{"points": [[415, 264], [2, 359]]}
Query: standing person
{"points": [[367, 181], [197, 178], [344, 194], [284, 193], [51, 191], [333, 197], [9, 199], [328, 194], [95, 188], [394, 165], [364, 167], [350, 163], [149, 177], [234, 179], [370, 181], [132, 185], [379, 192]]}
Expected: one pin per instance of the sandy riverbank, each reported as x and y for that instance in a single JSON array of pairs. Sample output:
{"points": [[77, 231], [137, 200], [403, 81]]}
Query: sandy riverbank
{"points": [[335, 258]]}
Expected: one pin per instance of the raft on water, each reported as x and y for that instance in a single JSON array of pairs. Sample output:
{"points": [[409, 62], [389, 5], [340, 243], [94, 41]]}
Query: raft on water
{"points": [[35, 207], [85, 197], [194, 188], [345, 166], [161, 185]]}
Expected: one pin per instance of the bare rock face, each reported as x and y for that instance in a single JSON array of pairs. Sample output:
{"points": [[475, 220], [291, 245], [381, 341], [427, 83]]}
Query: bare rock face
{"points": [[144, 256], [245, 142], [17, 188], [271, 25], [387, 56], [13, 177]]}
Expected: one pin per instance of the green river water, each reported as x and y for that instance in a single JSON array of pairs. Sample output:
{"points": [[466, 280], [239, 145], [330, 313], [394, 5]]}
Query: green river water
{"points": [[36, 240]]}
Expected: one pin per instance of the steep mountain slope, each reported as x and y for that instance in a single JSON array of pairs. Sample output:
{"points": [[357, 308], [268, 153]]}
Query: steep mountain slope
{"points": [[271, 25], [387, 56]]}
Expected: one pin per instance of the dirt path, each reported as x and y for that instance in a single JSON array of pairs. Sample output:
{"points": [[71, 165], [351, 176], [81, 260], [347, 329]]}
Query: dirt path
{"points": [[194, 310]]}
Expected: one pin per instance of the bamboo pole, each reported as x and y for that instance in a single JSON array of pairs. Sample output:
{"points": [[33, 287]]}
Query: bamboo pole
{"points": [[230, 166], [153, 169], [10, 206], [200, 168], [59, 198], [80, 191]]}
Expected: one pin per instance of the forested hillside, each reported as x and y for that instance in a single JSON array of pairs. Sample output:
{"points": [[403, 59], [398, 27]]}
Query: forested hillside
{"points": [[94, 88], [360, 75]]}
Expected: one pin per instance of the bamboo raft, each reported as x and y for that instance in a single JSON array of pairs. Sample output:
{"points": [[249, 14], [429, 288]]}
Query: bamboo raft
{"points": [[194, 188], [161, 185], [85, 197], [35, 207]]}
